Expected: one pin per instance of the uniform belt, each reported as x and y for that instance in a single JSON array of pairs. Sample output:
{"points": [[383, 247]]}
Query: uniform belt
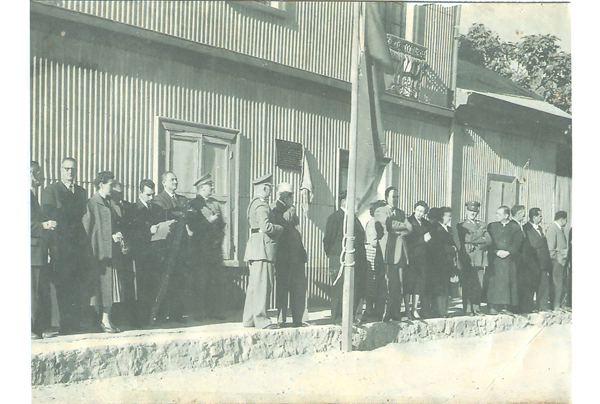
{"points": [[254, 230]]}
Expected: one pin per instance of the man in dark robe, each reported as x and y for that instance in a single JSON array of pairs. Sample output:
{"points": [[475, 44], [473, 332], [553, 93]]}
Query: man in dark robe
{"points": [[507, 239]]}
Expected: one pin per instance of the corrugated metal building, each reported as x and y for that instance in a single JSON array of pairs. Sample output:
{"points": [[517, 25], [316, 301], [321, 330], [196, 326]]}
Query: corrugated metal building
{"points": [[139, 87]]}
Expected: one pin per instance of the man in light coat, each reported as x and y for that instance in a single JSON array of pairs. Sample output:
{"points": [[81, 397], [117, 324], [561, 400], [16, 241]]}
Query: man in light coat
{"points": [[393, 248], [558, 247]]}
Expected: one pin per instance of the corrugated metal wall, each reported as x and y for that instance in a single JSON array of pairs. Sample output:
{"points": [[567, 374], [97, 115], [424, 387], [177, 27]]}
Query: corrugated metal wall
{"points": [[436, 27], [314, 36], [488, 151], [105, 118], [419, 152]]}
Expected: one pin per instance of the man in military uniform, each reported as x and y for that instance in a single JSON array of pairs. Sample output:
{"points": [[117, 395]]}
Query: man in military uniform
{"points": [[260, 255], [474, 240], [208, 228], [173, 252], [290, 258]]}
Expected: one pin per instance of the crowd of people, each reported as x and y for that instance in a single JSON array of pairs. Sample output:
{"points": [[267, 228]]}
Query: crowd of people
{"points": [[512, 265], [161, 257]]}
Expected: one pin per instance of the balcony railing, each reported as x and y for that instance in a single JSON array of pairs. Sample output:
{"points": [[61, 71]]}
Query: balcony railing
{"points": [[413, 77]]}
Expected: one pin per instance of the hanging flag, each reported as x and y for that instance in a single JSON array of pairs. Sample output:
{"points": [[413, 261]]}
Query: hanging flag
{"points": [[306, 186], [374, 61]]}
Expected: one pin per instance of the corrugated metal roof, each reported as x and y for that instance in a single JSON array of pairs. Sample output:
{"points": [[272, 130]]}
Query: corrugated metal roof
{"points": [[462, 96]]}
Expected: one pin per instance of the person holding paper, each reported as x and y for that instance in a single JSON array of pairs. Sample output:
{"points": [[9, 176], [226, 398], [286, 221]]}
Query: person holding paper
{"points": [[142, 224], [174, 253], [208, 228]]}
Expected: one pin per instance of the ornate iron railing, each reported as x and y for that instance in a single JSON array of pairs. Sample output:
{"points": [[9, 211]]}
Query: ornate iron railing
{"points": [[413, 77]]}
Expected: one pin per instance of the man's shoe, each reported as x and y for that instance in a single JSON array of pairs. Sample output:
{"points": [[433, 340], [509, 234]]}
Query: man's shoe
{"points": [[493, 312], [271, 327], [35, 336]]}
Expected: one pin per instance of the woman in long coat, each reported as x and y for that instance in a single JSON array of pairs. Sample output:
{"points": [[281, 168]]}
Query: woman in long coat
{"points": [[415, 276], [442, 253], [100, 223]]}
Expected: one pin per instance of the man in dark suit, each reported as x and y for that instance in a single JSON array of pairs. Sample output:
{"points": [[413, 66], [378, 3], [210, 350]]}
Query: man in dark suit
{"points": [[40, 287], [332, 244], [173, 253], [290, 258], [65, 203], [260, 255], [208, 228], [140, 224], [537, 261]]}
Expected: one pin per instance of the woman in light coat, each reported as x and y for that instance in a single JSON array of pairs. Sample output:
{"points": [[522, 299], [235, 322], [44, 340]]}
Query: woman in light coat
{"points": [[100, 223]]}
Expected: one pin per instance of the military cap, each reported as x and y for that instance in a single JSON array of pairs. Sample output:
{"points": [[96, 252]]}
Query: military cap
{"points": [[205, 179], [473, 206], [283, 187], [265, 179]]}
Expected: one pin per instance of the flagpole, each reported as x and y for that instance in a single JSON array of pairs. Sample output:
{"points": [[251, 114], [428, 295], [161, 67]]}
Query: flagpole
{"points": [[348, 300]]}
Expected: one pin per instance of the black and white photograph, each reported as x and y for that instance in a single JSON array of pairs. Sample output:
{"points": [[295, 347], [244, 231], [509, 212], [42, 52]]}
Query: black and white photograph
{"points": [[300, 202]]}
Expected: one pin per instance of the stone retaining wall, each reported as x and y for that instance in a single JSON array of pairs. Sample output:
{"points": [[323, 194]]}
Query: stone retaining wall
{"points": [[150, 352]]}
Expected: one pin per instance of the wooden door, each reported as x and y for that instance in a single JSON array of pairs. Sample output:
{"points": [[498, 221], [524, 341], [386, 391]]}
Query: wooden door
{"points": [[192, 155], [502, 190]]}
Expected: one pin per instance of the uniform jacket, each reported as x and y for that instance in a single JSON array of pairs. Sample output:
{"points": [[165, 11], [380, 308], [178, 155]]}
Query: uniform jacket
{"points": [[417, 247], [206, 221], [289, 244], [100, 223], [332, 242], [262, 243], [67, 209], [39, 246], [538, 255], [557, 243], [474, 241]]}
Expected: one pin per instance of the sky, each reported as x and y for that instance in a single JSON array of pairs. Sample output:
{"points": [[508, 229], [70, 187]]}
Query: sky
{"points": [[512, 21]]}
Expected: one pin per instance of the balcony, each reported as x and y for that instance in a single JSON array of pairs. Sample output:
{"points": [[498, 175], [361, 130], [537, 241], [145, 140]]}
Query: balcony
{"points": [[413, 77]]}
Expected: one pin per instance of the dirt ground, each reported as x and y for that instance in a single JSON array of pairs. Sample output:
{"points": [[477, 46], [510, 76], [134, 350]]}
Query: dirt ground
{"points": [[532, 365]]}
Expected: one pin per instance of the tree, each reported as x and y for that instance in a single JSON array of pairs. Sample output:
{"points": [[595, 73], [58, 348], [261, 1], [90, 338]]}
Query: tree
{"points": [[536, 62]]}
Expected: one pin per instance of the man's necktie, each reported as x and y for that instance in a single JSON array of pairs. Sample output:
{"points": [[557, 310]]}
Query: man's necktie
{"points": [[174, 198], [541, 231], [72, 188]]}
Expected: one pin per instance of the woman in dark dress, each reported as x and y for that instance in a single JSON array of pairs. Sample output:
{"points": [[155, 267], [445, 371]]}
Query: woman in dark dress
{"points": [[415, 276], [100, 223], [442, 253]]}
